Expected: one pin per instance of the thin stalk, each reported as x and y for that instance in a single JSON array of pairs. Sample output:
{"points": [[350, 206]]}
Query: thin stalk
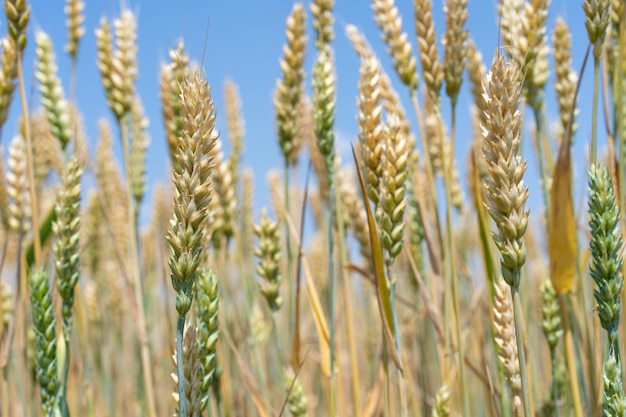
{"points": [[386, 383], [279, 345], [554, 391], [343, 261], [4, 389], [431, 182], [570, 356], [450, 251], [29, 158], [541, 156], [331, 279], [594, 111], [519, 337], [182, 399], [429, 167], [401, 382], [146, 363], [289, 254]]}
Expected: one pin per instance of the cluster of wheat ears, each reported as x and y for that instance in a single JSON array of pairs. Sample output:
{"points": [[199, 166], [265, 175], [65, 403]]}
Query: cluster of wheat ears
{"points": [[406, 298]]}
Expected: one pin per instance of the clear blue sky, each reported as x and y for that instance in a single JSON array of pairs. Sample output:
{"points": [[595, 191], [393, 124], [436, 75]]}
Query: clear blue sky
{"points": [[244, 43]]}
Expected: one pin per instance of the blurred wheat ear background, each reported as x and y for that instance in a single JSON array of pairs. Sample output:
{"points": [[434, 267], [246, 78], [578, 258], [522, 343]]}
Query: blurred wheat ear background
{"points": [[424, 273]]}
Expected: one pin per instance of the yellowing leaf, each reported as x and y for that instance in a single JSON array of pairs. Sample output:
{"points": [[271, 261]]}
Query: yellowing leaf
{"points": [[562, 223]]}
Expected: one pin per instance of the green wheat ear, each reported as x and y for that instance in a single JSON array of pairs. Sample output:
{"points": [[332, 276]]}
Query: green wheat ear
{"points": [[67, 231], [45, 339], [207, 308], [606, 242]]}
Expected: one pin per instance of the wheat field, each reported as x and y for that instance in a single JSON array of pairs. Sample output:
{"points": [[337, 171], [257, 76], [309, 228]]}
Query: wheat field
{"points": [[403, 280]]}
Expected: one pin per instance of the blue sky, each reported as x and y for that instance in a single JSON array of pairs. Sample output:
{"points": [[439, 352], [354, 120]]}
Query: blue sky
{"points": [[244, 43]]}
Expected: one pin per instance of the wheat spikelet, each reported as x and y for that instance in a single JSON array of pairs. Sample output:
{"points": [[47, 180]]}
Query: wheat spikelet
{"points": [[236, 127], [319, 167], [277, 198], [6, 305], [504, 330], [435, 132], [388, 20], [161, 210], [415, 231], [193, 370], [506, 193], [52, 96], [550, 316], [324, 108], [8, 73], [81, 149], [392, 203], [74, 22], [66, 228], [118, 67], [104, 44], [370, 126], [323, 22], [17, 187], [566, 79], [432, 72], [260, 328], [289, 88], [297, 401], [112, 187], [268, 252], [597, 21], [389, 96], [306, 129], [454, 52], [92, 302], [476, 73], [443, 401], [605, 244], [18, 14], [139, 141], [614, 403], [45, 338], [534, 47], [90, 232], [207, 308], [356, 220], [125, 62], [191, 179], [47, 153], [511, 21], [171, 81], [223, 206]]}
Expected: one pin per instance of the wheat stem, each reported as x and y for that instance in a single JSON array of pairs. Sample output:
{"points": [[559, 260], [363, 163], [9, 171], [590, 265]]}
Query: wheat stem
{"points": [[519, 338], [570, 356], [594, 111]]}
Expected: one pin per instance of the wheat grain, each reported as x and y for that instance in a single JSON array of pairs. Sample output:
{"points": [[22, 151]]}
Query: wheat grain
{"points": [[432, 72], [454, 53], [565, 77], [18, 15], [506, 192], [52, 96], [388, 20], [268, 252], [75, 18], [370, 126], [8, 74], [290, 89], [45, 339]]}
